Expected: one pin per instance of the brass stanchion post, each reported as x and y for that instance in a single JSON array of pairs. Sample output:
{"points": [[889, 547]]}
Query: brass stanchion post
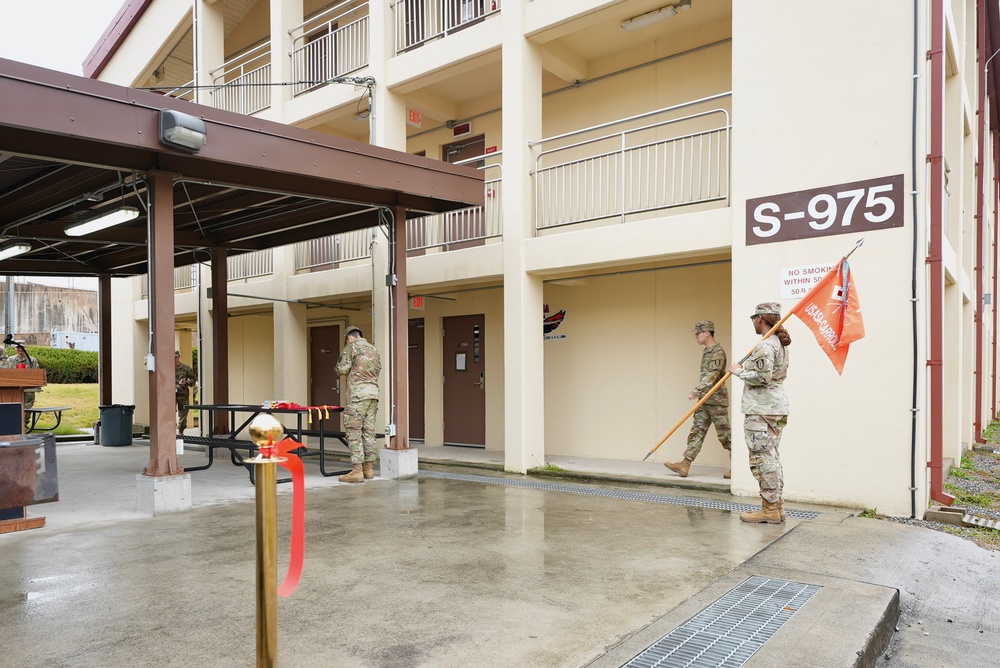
{"points": [[265, 430]]}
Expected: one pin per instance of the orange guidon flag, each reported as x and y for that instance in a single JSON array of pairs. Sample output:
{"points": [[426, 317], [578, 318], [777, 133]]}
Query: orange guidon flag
{"points": [[832, 311]]}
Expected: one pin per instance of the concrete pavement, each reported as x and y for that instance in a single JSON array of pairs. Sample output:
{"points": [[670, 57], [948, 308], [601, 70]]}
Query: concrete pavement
{"points": [[451, 571]]}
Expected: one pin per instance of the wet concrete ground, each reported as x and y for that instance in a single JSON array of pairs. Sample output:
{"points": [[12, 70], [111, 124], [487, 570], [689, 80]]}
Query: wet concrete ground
{"points": [[427, 572]]}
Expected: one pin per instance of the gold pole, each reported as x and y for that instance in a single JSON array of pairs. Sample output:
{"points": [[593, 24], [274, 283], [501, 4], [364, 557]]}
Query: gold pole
{"points": [[265, 430], [267, 566]]}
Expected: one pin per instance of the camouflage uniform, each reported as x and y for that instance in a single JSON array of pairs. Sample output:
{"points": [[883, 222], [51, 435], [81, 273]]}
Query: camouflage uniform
{"points": [[765, 405], [185, 378], [30, 363], [361, 364], [716, 409]]}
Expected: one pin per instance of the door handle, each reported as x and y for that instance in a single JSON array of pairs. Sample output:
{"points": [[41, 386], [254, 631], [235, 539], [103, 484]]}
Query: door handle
{"points": [[482, 380]]}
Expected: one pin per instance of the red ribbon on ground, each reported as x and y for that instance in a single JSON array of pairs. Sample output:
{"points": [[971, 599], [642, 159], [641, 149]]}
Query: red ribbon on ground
{"points": [[298, 547]]}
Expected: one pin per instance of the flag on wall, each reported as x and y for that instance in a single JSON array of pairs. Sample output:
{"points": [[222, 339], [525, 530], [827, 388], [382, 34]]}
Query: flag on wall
{"points": [[832, 311]]}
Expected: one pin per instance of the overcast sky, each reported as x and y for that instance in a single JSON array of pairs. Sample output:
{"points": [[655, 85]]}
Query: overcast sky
{"points": [[57, 34]]}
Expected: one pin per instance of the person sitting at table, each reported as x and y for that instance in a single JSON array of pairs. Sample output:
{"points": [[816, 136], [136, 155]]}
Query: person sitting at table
{"points": [[22, 360]]}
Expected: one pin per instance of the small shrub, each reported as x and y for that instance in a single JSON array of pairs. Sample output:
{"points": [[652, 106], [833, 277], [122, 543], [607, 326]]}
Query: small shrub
{"points": [[64, 365], [869, 513]]}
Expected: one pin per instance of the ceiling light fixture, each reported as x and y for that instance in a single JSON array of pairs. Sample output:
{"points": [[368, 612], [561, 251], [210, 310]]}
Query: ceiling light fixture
{"points": [[655, 16], [116, 217], [182, 131], [13, 249]]}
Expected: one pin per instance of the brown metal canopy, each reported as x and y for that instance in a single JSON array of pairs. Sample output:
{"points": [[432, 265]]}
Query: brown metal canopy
{"points": [[72, 148]]}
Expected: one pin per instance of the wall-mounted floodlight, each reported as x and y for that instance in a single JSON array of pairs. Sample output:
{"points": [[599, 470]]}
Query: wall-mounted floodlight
{"points": [[13, 249], [182, 131], [116, 217]]}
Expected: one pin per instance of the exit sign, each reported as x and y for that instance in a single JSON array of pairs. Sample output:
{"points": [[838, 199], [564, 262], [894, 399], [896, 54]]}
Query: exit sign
{"points": [[414, 118], [417, 303]]}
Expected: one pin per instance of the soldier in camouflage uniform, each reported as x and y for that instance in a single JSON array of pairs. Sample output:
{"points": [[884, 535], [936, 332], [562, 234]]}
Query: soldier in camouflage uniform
{"points": [[716, 409], [185, 379], [765, 405], [21, 356], [361, 364]]}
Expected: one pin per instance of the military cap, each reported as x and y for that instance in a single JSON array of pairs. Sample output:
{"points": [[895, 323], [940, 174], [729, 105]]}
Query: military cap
{"points": [[704, 326], [352, 329], [768, 308]]}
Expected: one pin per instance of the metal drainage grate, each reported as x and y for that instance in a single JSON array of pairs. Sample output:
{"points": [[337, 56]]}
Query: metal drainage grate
{"points": [[728, 632], [689, 501]]}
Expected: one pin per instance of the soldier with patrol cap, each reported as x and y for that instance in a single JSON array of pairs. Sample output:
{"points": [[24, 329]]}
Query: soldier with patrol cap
{"points": [[716, 409], [361, 363], [765, 406]]}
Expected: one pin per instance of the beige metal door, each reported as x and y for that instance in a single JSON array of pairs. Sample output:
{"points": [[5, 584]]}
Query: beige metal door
{"points": [[324, 385], [465, 381], [416, 371]]}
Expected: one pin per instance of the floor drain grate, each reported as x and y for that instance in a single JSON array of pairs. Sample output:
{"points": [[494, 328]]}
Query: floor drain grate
{"points": [[689, 501], [728, 632]]}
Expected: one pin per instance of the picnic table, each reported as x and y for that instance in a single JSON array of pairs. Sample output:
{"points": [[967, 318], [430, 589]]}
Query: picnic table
{"points": [[32, 415], [241, 449]]}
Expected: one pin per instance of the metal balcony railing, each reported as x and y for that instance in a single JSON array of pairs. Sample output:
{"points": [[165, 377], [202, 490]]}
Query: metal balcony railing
{"points": [[458, 227], [185, 279], [328, 252], [331, 44], [249, 265], [185, 92], [421, 21], [244, 81], [638, 167]]}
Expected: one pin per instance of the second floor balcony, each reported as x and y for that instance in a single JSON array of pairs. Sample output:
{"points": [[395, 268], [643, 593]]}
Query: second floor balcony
{"points": [[244, 81], [422, 21], [332, 44]]}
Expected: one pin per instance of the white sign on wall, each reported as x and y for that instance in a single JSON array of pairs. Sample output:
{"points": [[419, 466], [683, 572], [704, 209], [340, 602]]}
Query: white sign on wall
{"points": [[797, 281]]}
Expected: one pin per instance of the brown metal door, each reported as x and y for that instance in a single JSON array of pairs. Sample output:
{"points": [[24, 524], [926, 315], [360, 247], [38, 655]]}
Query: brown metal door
{"points": [[465, 228], [465, 381], [416, 371], [324, 384]]}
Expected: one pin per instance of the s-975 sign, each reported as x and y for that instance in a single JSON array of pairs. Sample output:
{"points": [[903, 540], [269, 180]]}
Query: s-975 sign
{"points": [[861, 206]]}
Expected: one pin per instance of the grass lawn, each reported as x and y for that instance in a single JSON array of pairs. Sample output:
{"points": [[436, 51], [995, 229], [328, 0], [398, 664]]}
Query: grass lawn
{"points": [[81, 397]]}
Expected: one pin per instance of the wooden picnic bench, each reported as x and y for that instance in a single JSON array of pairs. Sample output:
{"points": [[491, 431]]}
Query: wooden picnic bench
{"points": [[32, 415]]}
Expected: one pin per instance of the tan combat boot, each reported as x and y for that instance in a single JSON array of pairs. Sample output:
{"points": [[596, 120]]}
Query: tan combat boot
{"points": [[781, 509], [356, 474], [728, 475], [768, 513], [681, 468], [368, 468]]}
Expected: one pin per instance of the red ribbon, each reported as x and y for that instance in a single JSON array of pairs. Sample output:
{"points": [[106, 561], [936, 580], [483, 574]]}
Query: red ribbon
{"points": [[298, 547]]}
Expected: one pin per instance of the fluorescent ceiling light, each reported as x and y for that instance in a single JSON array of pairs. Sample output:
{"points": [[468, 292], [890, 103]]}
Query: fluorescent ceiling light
{"points": [[655, 16], [117, 217], [14, 249]]}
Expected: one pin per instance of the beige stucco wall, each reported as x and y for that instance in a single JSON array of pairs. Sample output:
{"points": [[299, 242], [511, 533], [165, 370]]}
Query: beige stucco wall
{"points": [[844, 119], [619, 380]]}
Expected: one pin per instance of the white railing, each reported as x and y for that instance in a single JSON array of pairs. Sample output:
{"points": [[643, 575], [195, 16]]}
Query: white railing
{"points": [[328, 252], [673, 162], [420, 21], [249, 265], [185, 278], [185, 92], [331, 44], [244, 82], [472, 224]]}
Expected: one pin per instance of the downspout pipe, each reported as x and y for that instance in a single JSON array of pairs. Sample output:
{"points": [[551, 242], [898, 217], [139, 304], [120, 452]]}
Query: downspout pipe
{"points": [[996, 274], [914, 407], [934, 260], [980, 226]]}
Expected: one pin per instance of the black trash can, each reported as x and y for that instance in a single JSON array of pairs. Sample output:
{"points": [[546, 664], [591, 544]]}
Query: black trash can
{"points": [[116, 424]]}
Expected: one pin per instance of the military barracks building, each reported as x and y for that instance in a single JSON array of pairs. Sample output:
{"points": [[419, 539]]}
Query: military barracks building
{"points": [[647, 164]]}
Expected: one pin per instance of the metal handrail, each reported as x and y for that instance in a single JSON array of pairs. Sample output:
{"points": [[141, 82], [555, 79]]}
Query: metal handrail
{"points": [[620, 121], [338, 52], [473, 223], [433, 19], [632, 179], [242, 58]]}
